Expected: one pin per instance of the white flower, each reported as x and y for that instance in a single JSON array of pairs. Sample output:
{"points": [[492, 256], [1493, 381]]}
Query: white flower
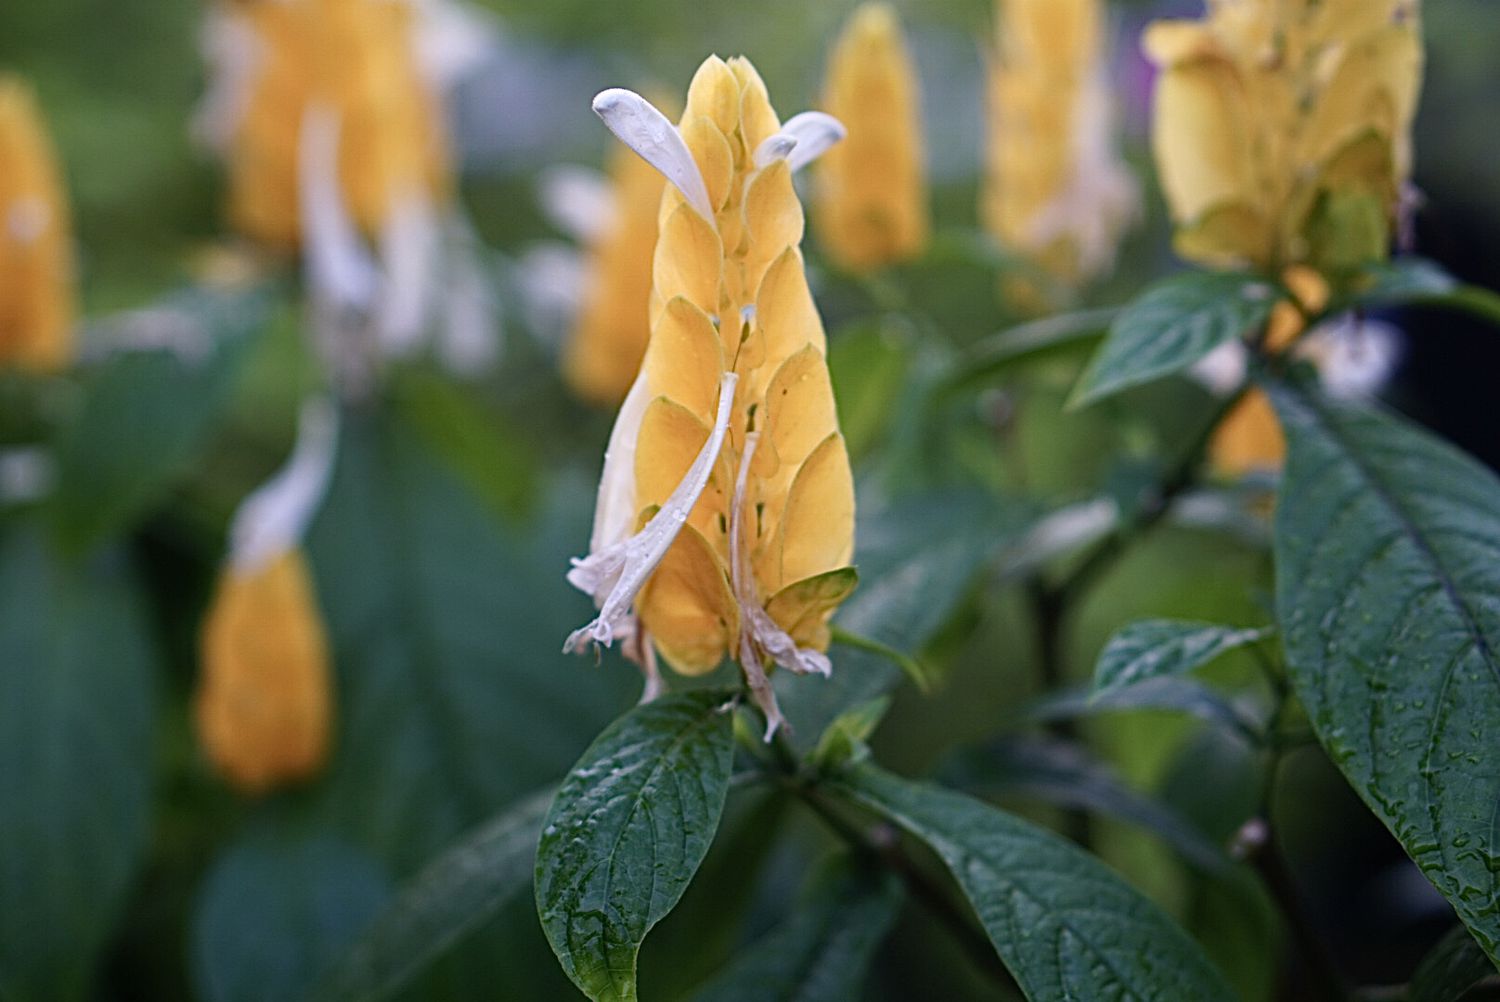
{"points": [[273, 519], [1354, 356]]}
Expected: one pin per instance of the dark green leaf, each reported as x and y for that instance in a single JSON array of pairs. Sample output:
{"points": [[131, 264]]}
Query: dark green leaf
{"points": [[820, 953], [629, 828], [315, 895], [1387, 545], [452, 896], [1063, 774], [845, 738], [454, 696], [1181, 694], [1026, 343], [147, 413], [1161, 648], [76, 728], [1450, 969], [1173, 325], [1402, 280], [1066, 926]]}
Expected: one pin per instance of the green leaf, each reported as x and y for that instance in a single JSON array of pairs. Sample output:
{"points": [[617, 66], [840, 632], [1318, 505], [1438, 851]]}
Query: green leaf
{"points": [[844, 739], [822, 952], [1065, 925], [1063, 774], [1387, 545], [1402, 280], [868, 365], [1027, 342], [317, 893], [1173, 325], [629, 828], [1450, 969], [455, 894], [1184, 695], [147, 414], [77, 712], [445, 627], [1163, 648]]}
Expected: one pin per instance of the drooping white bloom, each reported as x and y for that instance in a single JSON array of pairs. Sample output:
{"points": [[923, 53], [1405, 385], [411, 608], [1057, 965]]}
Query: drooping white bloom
{"points": [[273, 519]]}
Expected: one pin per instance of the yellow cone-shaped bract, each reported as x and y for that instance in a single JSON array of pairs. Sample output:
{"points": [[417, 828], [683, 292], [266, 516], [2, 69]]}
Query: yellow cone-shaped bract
{"points": [[36, 249], [264, 703], [614, 321], [730, 295], [871, 205], [357, 60], [1055, 189], [1282, 128]]}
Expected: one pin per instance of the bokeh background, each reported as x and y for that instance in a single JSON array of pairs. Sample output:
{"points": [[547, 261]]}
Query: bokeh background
{"points": [[204, 916]]}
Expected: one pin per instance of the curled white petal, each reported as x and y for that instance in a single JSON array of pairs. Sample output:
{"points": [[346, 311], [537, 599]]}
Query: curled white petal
{"points": [[469, 336], [409, 253], [339, 268], [760, 686], [1354, 356], [614, 574], [813, 133], [578, 201], [647, 131], [1223, 370], [773, 148], [273, 518], [614, 509], [755, 623]]}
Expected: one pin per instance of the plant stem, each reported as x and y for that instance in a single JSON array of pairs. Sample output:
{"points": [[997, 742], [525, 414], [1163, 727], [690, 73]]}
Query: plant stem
{"points": [[1048, 610], [918, 882]]}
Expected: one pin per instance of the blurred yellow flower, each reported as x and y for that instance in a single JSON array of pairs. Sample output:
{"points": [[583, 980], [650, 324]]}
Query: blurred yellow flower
{"points": [[36, 248], [264, 706], [1282, 128], [353, 61], [871, 206], [1055, 189], [609, 338], [726, 505]]}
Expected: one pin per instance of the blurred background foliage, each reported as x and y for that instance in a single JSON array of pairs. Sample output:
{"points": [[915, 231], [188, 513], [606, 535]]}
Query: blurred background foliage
{"points": [[441, 547]]}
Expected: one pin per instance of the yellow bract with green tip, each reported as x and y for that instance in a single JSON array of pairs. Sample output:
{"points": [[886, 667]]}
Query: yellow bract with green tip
{"points": [[730, 296], [1282, 128], [36, 248], [871, 206]]}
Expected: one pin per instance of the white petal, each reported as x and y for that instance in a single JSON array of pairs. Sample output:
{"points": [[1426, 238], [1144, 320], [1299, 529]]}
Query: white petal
{"points": [[647, 131], [1354, 356], [452, 40], [813, 133], [273, 518], [409, 260], [620, 570], [548, 280], [233, 52], [469, 338], [1223, 370], [760, 687], [773, 148], [339, 268], [614, 509], [757, 626], [578, 201]]}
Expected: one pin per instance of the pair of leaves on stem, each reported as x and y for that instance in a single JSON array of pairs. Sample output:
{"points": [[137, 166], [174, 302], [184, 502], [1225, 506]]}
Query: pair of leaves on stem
{"points": [[635, 817]]}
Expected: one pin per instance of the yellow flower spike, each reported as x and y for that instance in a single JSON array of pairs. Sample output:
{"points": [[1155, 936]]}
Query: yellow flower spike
{"points": [[264, 702], [357, 60], [264, 706], [1249, 439], [613, 324], [1055, 189], [871, 208], [725, 519], [36, 248], [1282, 130]]}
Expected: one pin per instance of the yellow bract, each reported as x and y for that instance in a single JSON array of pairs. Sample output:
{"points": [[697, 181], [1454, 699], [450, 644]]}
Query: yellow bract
{"points": [[36, 249], [730, 295], [264, 701], [355, 58], [871, 207], [1282, 128], [1054, 188], [605, 351]]}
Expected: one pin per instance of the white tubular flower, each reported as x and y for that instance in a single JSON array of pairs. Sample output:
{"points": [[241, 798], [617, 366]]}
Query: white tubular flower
{"points": [[1223, 370], [409, 256], [339, 268], [614, 572], [652, 135], [273, 519], [1354, 356], [812, 134], [469, 337], [577, 200]]}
